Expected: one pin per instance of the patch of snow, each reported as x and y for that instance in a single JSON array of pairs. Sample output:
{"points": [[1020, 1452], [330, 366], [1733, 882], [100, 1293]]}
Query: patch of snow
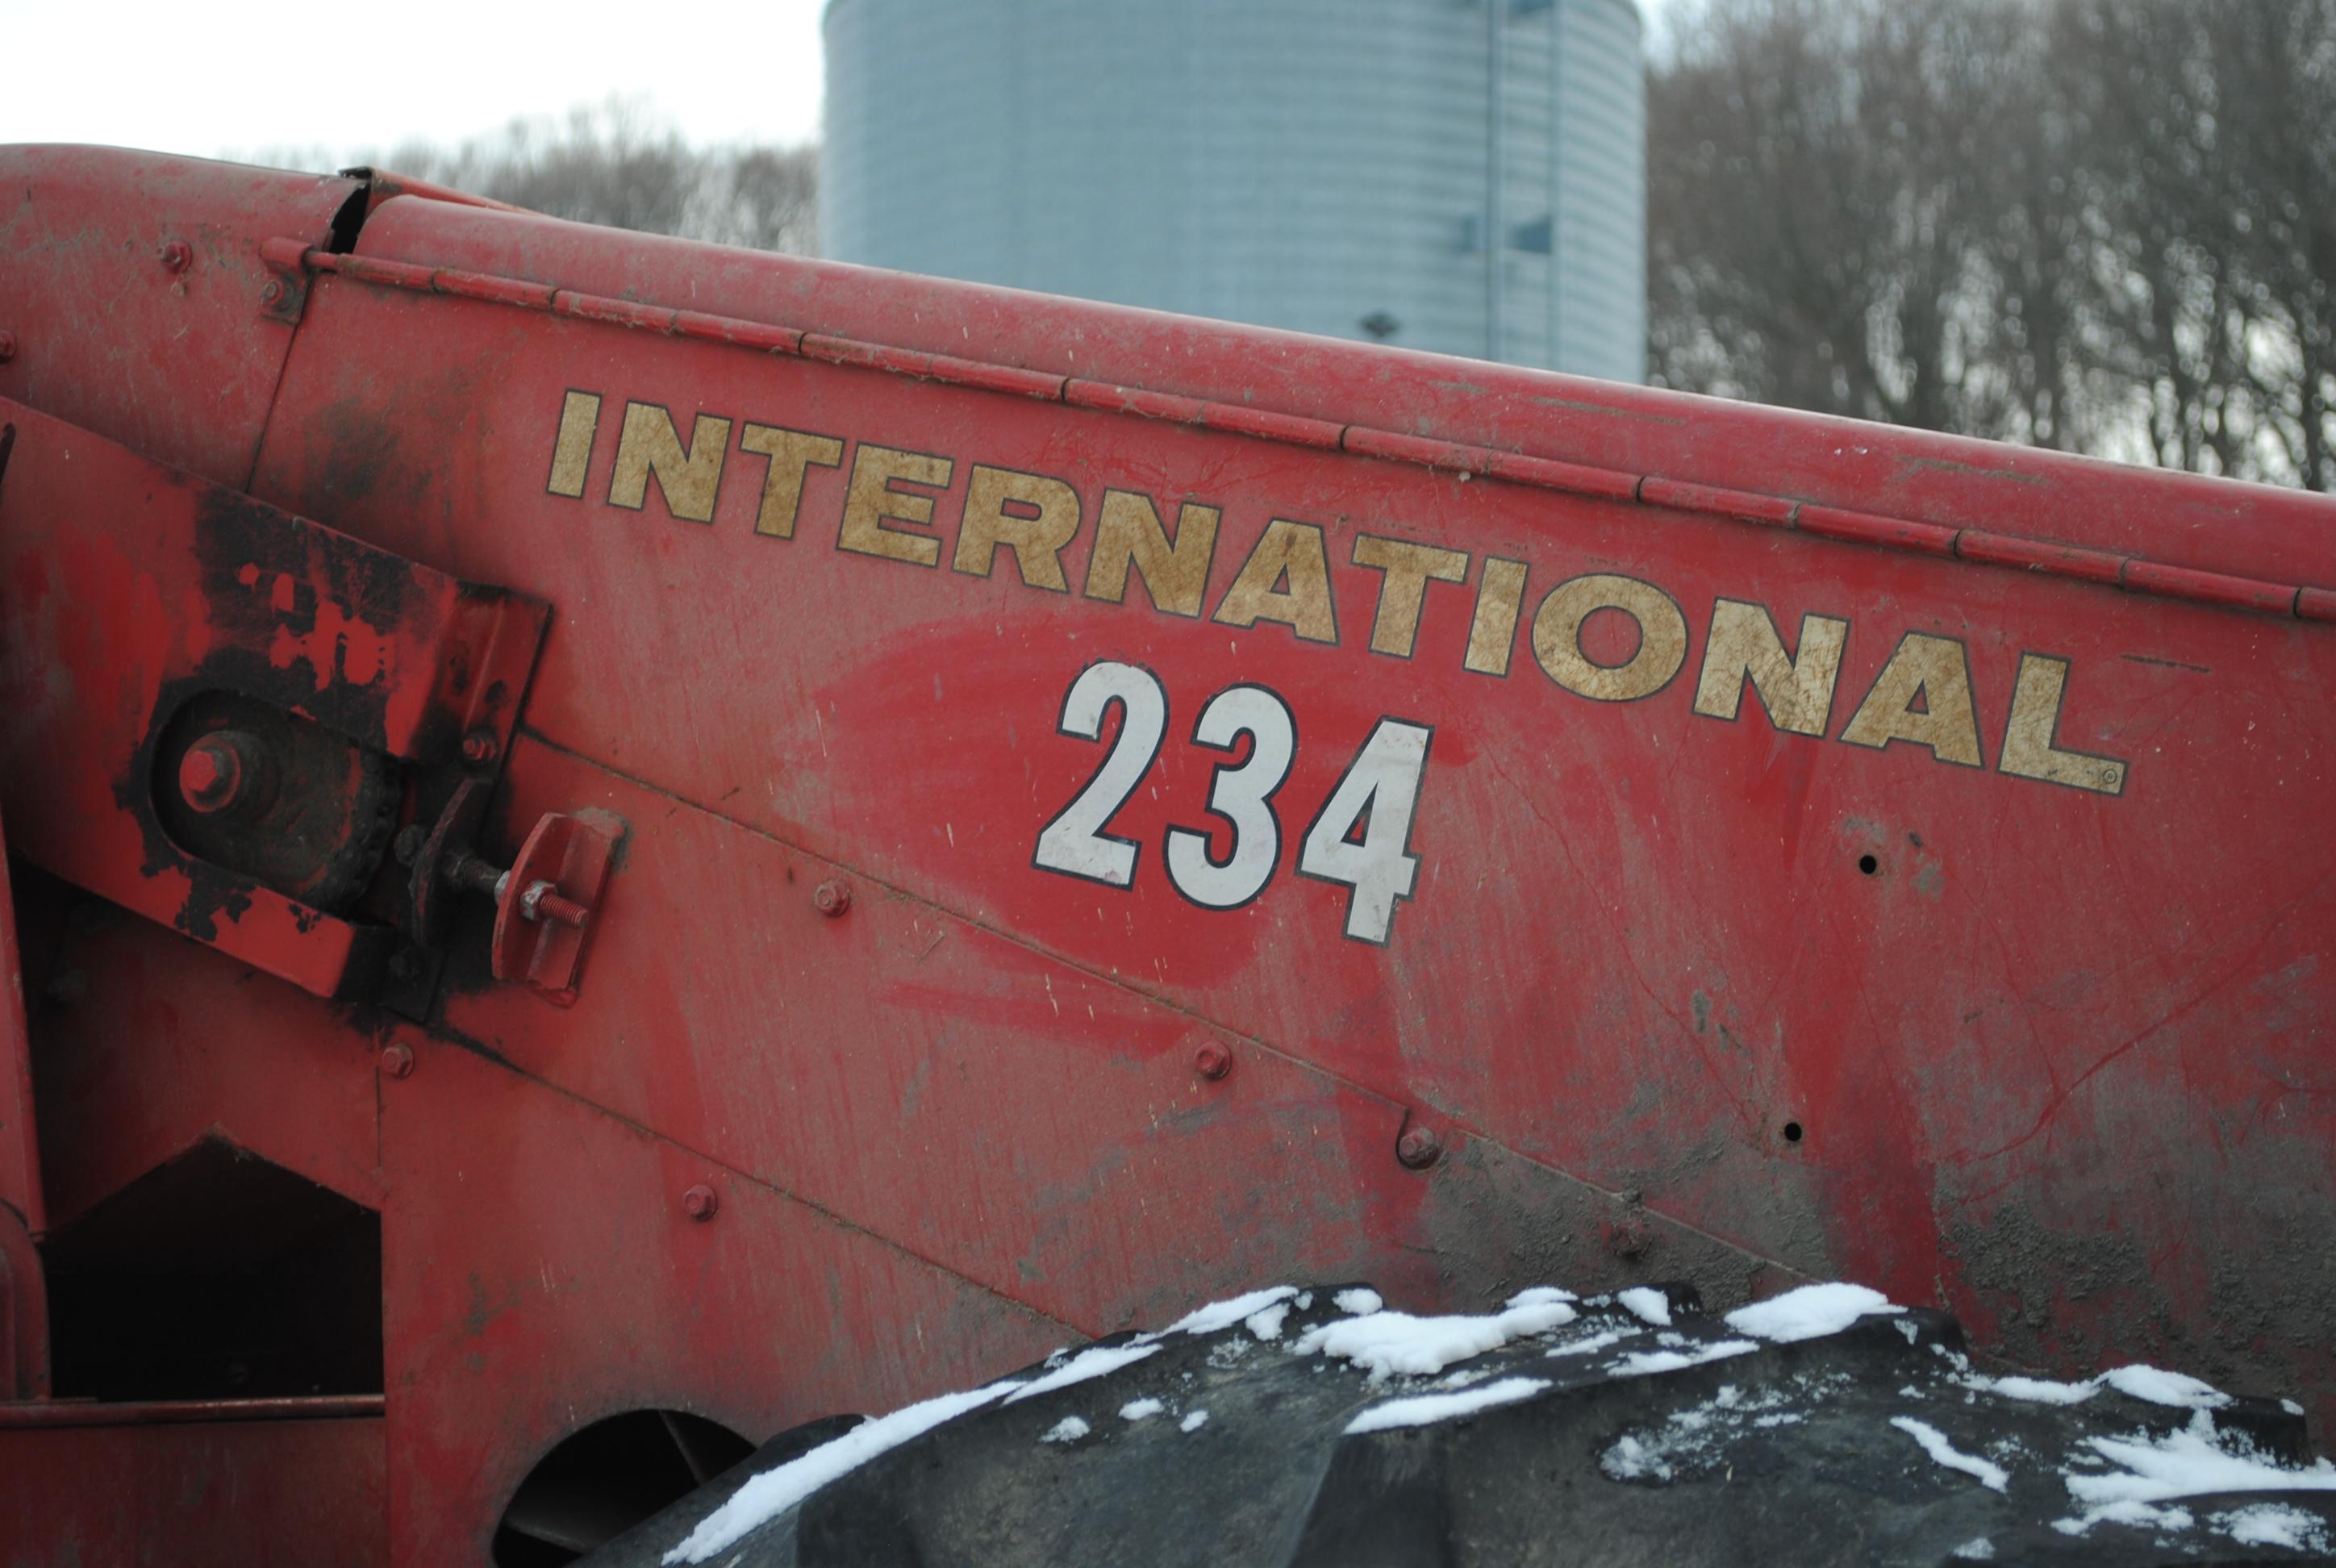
{"points": [[1538, 1296], [2273, 1524], [1426, 1409], [771, 1492], [2165, 1388], [1941, 1452], [1193, 1422], [1783, 1418], [1646, 1363], [1092, 1362], [1388, 1343], [2290, 1407], [1267, 1325], [1631, 1460], [1357, 1302], [1069, 1429], [1594, 1342], [1137, 1409], [1907, 1326], [2036, 1390], [1304, 1300], [1225, 1314], [2140, 1515], [2184, 1463], [1978, 1549], [1808, 1313]]}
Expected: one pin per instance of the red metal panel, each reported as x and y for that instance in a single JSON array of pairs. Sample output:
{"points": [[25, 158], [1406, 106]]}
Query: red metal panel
{"points": [[20, 1146], [132, 291], [539, 1273], [2184, 521], [156, 1042], [233, 1495], [1857, 1011]]}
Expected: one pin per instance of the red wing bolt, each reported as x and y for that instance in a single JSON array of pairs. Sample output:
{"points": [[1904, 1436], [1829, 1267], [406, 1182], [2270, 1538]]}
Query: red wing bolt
{"points": [[8, 346], [398, 1061], [178, 256], [1418, 1148], [479, 747], [700, 1201], [831, 898], [1212, 1061], [272, 291]]}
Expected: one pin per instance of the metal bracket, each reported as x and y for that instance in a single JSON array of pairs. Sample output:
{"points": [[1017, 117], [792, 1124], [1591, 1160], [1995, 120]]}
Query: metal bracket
{"points": [[208, 684], [285, 295]]}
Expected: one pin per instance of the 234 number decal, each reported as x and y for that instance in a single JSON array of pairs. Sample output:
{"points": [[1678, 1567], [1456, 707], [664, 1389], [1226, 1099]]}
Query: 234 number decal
{"points": [[1360, 838]]}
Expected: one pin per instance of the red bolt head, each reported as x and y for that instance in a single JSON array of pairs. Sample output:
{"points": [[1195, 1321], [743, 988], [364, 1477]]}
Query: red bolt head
{"points": [[210, 775], [1629, 1239], [1212, 1061], [831, 898], [8, 346], [700, 1201], [1418, 1148], [178, 256], [398, 1061], [272, 291], [479, 747]]}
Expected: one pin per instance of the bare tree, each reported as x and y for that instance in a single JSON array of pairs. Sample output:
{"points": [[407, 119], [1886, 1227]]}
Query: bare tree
{"points": [[2096, 224], [619, 164]]}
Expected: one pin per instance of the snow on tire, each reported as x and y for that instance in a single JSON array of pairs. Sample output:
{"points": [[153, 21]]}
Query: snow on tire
{"points": [[1316, 1428]]}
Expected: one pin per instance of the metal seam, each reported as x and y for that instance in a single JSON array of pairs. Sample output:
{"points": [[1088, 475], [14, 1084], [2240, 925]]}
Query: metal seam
{"points": [[2222, 590]]}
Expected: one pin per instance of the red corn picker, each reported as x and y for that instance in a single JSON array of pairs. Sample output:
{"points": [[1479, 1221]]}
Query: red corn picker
{"points": [[619, 847]]}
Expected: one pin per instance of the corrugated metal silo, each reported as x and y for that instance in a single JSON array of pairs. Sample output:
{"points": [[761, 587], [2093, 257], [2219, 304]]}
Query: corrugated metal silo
{"points": [[1463, 176]]}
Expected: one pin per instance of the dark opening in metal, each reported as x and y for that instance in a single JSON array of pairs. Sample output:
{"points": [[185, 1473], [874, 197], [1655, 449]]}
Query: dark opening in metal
{"points": [[601, 1481]]}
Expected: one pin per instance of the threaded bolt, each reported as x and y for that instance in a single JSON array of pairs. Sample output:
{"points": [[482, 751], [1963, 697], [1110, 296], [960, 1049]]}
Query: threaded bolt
{"points": [[398, 1061], [480, 748], [831, 898], [700, 1201], [1212, 1061]]}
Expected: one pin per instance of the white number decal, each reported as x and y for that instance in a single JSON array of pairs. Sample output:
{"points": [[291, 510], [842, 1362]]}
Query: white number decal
{"points": [[1242, 796], [1363, 835], [1075, 843]]}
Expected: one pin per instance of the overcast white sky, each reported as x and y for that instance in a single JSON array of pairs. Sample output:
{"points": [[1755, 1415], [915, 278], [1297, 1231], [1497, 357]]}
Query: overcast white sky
{"points": [[186, 77]]}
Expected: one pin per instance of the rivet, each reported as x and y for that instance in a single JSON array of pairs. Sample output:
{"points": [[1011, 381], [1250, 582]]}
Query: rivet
{"points": [[1418, 1148]]}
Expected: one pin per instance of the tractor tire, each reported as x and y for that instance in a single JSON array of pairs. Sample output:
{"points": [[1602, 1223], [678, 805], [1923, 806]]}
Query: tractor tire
{"points": [[1639, 1430]]}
